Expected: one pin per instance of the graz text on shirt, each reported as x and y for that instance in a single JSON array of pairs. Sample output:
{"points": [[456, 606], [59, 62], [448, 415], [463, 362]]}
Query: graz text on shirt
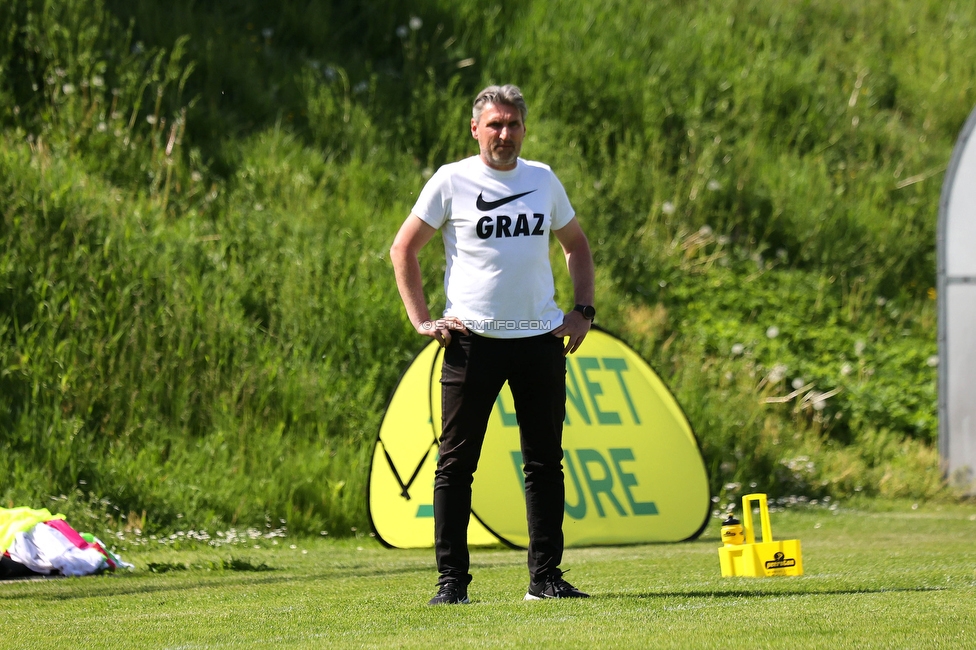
{"points": [[504, 226]]}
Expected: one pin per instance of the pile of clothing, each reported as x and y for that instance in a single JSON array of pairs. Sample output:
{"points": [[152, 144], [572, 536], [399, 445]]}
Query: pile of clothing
{"points": [[35, 542]]}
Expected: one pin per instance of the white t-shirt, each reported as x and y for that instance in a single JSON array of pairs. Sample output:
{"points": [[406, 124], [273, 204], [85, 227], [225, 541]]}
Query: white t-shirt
{"points": [[496, 228]]}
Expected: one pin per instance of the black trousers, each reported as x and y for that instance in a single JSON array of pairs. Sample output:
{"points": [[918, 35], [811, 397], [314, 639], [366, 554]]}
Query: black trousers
{"points": [[474, 370]]}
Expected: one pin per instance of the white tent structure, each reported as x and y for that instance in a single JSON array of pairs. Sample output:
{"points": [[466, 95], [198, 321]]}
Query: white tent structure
{"points": [[956, 244]]}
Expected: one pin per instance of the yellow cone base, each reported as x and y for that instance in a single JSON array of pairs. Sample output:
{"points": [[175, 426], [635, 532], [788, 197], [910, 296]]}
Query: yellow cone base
{"points": [[760, 559]]}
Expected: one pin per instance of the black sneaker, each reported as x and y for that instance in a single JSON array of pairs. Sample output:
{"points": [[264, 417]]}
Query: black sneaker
{"points": [[451, 593], [553, 586]]}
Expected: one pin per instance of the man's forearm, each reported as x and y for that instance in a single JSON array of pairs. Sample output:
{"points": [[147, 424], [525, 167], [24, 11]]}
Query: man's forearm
{"points": [[410, 284], [579, 261], [404, 254]]}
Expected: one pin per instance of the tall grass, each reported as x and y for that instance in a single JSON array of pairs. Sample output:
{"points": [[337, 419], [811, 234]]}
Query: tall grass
{"points": [[198, 323]]}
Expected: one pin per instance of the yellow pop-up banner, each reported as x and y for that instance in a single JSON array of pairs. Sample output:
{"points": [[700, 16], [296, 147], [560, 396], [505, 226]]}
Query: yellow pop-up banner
{"points": [[633, 469], [401, 478]]}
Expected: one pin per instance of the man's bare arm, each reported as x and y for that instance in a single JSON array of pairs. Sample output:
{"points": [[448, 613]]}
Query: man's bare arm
{"points": [[413, 236], [579, 261]]}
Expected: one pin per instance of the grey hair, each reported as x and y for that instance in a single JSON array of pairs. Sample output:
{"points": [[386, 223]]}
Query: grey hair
{"points": [[507, 94]]}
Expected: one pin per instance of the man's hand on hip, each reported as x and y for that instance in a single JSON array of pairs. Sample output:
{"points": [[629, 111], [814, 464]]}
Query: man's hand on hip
{"points": [[575, 326], [440, 329]]}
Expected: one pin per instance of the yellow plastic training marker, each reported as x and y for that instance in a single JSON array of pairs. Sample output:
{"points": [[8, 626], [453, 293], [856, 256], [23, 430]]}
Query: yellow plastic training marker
{"points": [[760, 559]]}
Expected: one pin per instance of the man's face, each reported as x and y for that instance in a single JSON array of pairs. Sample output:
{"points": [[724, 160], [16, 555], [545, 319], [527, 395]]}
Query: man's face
{"points": [[499, 133]]}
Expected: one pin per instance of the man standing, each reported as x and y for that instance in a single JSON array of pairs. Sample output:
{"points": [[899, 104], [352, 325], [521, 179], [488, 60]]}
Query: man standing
{"points": [[500, 323]]}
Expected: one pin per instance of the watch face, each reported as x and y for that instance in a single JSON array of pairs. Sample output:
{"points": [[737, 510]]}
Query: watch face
{"points": [[587, 310]]}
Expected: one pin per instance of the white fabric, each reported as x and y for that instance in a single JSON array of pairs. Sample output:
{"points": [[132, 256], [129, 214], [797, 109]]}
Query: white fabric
{"points": [[45, 550], [498, 278]]}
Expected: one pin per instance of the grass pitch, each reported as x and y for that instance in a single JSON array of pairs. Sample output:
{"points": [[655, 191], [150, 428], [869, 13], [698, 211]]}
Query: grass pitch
{"points": [[881, 576]]}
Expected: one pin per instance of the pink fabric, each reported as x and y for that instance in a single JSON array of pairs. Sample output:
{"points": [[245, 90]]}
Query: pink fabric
{"points": [[72, 536], [70, 533]]}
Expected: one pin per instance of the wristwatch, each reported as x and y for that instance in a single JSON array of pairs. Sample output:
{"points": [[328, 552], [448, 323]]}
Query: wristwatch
{"points": [[589, 313]]}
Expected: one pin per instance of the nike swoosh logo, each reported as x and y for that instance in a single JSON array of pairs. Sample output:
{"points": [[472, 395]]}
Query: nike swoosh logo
{"points": [[486, 206]]}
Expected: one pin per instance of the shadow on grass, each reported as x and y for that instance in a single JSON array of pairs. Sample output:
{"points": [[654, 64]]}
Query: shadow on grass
{"points": [[127, 584], [232, 564], [765, 593]]}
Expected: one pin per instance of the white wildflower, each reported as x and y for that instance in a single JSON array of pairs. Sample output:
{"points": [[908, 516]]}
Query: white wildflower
{"points": [[778, 373]]}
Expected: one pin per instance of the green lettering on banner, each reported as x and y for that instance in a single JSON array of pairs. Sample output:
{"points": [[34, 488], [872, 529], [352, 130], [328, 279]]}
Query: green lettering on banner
{"points": [[601, 486], [618, 367], [577, 511], [574, 395], [595, 390], [628, 480], [425, 511], [508, 419]]}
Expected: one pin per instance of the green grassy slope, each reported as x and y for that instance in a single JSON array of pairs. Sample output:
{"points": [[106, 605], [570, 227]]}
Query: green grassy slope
{"points": [[198, 320]]}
